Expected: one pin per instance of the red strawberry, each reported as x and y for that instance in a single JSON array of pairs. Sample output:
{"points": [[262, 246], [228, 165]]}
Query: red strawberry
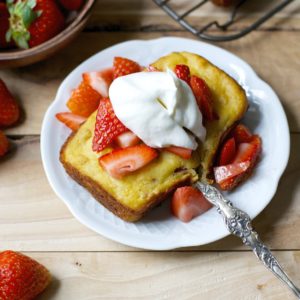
{"points": [[124, 66], [99, 81], [21, 277], [71, 120], [223, 174], [4, 25], [231, 175], [4, 145], [222, 2], [183, 73], [151, 69], [203, 97], [107, 126], [84, 100], [71, 4], [249, 151], [228, 152], [188, 203], [242, 134], [33, 22], [182, 152], [127, 139], [9, 108], [121, 162]]}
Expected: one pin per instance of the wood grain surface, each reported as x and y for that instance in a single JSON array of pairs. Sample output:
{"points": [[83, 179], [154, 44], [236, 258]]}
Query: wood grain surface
{"points": [[88, 266], [164, 275]]}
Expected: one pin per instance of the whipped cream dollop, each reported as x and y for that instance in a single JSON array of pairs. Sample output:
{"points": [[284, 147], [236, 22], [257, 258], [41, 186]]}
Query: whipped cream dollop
{"points": [[159, 108]]}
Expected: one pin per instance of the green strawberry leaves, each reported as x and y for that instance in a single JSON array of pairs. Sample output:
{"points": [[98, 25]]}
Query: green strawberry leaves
{"points": [[22, 15]]}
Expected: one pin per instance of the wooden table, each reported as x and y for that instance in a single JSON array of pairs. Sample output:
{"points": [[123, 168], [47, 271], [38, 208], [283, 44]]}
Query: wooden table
{"points": [[88, 266]]}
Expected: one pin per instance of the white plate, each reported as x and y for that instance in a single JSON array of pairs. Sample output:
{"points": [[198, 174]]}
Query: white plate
{"points": [[159, 230]]}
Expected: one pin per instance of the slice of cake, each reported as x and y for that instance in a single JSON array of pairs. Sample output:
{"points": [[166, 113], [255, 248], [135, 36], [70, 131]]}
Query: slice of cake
{"points": [[131, 196]]}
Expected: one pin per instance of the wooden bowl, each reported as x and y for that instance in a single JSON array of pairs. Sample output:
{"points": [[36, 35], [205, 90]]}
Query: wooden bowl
{"points": [[18, 57]]}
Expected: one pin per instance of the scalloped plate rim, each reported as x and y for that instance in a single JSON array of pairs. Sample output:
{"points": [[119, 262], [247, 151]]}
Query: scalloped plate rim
{"points": [[131, 239]]}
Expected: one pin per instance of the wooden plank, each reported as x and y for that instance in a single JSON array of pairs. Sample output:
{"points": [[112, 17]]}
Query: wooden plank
{"points": [[35, 86], [147, 16], [145, 7], [32, 218], [131, 22], [165, 275]]}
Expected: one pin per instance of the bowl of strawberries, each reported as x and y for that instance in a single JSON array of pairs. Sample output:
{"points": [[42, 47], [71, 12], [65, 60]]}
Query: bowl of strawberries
{"points": [[32, 30]]}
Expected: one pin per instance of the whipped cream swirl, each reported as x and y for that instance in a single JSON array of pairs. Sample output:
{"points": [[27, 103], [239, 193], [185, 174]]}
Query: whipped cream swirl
{"points": [[159, 108]]}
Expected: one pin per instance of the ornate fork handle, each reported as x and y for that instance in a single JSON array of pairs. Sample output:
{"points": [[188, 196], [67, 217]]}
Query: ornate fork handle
{"points": [[239, 223]]}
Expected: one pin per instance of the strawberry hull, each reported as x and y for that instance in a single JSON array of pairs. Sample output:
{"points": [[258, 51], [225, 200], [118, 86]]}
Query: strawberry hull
{"points": [[34, 22]]}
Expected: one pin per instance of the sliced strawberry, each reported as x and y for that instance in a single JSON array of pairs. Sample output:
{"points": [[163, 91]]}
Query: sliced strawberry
{"points": [[4, 144], [99, 81], [121, 162], [203, 97], [249, 151], [71, 120], [228, 152], [124, 66], [151, 69], [188, 203], [84, 100], [242, 134], [180, 151], [231, 175], [127, 139], [107, 126], [183, 73], [223, 173]]}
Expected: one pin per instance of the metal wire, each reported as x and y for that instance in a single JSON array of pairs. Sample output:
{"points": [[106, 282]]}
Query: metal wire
{"points": [[202, 33]]}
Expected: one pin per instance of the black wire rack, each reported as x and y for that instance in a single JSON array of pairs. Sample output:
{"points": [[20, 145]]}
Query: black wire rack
{"points": [[202, 33]]}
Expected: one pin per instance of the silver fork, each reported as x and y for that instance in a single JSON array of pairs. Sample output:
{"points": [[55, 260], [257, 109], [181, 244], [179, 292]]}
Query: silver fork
{"points": [[239, 223]]}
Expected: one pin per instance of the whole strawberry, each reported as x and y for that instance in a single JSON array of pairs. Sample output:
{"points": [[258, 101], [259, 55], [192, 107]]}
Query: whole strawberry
{"points": [[21, 277], [71, 4], [223, 2], [4, 145], [33, 22], [9, 108], [4, 25]]}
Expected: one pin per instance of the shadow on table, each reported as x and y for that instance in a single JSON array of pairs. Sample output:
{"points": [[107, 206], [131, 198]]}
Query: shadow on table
{"points": [[51, 290]]}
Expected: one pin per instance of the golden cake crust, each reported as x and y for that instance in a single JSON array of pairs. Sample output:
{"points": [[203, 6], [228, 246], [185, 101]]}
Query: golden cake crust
{"points": [[107, 200]]}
